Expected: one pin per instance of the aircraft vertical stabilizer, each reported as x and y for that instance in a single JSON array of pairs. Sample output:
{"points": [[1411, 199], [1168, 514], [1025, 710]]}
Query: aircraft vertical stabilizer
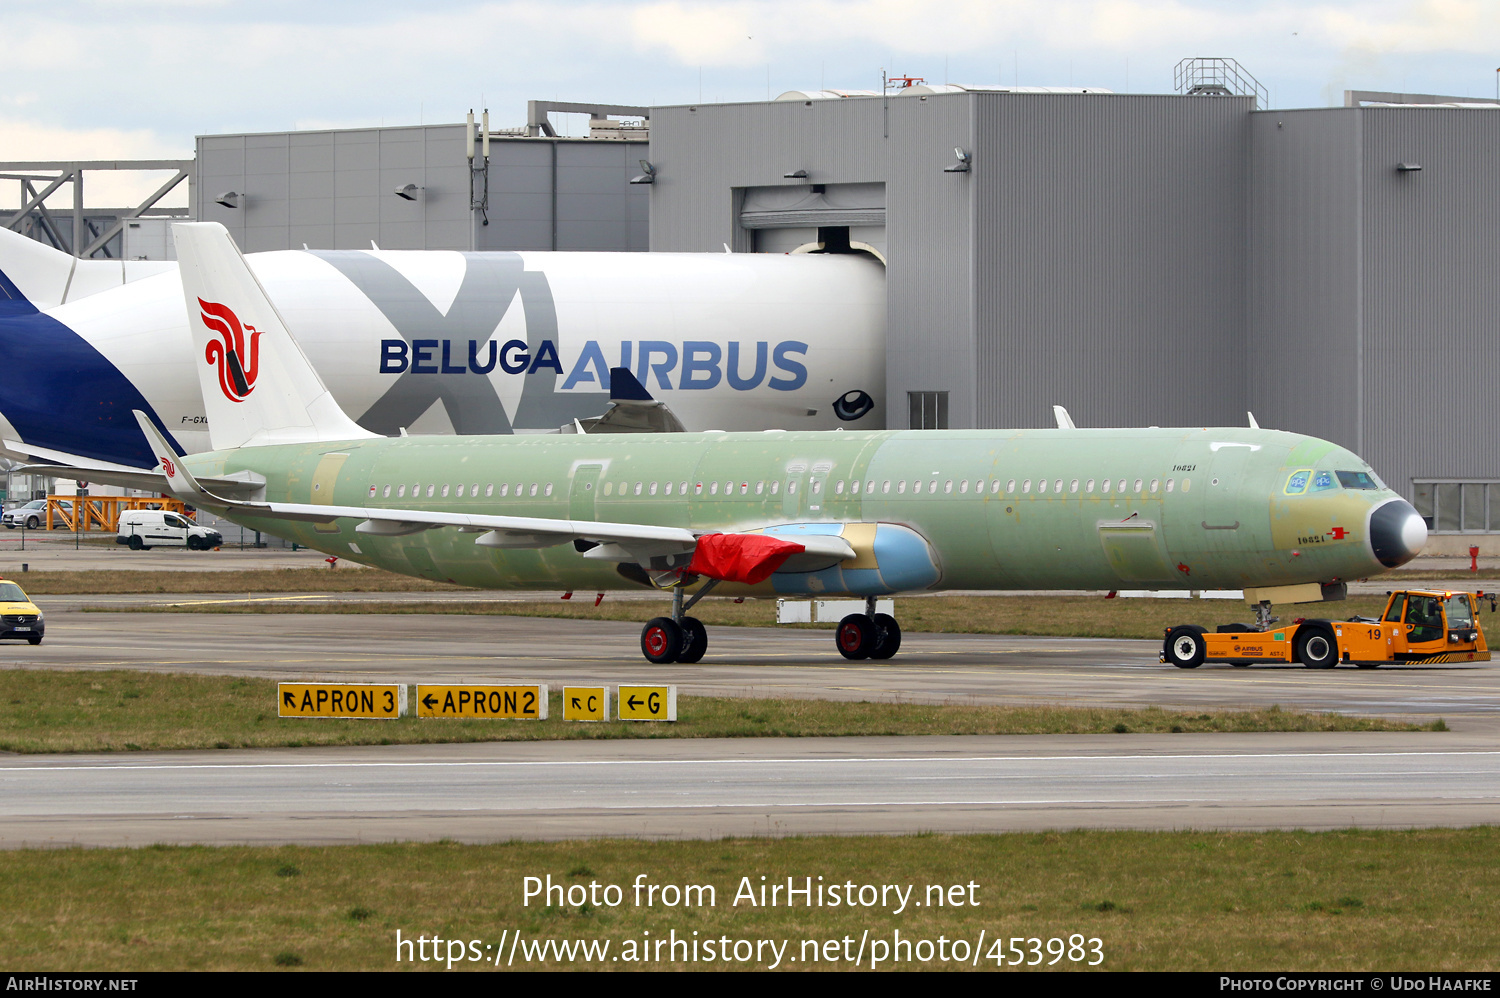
{"points": [[258, 386]]}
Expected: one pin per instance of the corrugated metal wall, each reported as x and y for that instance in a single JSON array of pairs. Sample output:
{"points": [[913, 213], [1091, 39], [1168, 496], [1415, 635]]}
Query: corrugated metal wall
{"points": [[1304, 343], [930, 277], [335, 190], [1431, 283], [1110, 254], [1375, 293]]}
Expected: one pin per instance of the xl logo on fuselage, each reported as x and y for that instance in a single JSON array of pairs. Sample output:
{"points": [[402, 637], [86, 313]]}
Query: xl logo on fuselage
{"points": [[704, 364], [238, 365]]}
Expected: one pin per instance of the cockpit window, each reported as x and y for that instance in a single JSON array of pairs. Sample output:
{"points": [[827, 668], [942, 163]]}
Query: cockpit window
{"points": [[1296, 484], [1357, 480], [1460, 614], [1323, 480]]}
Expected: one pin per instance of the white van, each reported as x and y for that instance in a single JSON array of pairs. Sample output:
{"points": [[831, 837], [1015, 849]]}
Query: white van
{"points": [[143, 529]]}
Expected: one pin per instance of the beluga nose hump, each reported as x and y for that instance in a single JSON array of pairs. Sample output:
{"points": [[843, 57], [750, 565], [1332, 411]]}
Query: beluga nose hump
{"points": [[1397, 533]]}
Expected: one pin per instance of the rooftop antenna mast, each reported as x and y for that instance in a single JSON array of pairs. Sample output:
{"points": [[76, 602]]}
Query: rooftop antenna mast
{"points": [[481, 203]]}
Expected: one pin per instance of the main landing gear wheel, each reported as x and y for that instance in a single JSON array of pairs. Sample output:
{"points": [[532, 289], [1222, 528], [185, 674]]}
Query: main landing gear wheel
{"points": [[1316, 646], [694, 640], [887, 636], [661, 640], [855, 636], [1185, 646]]}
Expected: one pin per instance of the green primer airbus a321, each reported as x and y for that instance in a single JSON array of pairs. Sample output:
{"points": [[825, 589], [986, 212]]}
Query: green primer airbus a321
{"points": [[1286, 517]]}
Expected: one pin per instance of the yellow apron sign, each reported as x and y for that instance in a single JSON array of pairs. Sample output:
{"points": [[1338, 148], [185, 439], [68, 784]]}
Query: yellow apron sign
{"points": [[526, 703], [340, 700]]}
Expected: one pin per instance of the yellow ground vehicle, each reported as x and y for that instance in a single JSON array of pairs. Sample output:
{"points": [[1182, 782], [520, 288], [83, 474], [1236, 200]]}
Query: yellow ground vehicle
{"points": [[1417, 626], [19, 617]]}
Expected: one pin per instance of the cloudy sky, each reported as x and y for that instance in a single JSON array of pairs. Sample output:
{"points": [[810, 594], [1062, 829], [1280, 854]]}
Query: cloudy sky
{"points": [[103, 79]]}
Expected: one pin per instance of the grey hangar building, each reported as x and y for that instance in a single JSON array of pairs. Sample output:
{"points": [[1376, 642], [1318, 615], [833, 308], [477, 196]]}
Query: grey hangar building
{"points": [[1141, 259]]}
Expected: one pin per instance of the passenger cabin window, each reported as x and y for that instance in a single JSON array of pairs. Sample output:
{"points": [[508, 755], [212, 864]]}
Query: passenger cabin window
{"points": [[445, 491], [489, 490], [548, 490]]}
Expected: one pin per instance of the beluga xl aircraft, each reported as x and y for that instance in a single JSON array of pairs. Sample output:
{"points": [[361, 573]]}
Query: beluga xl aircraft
{"points": [[862, 514]]}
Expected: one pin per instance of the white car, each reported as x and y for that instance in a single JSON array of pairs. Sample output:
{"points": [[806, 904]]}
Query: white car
{"points": [[143, 529]]}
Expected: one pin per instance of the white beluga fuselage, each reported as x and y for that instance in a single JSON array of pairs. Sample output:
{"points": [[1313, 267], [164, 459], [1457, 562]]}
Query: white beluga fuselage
{"points": [[449, 342]]}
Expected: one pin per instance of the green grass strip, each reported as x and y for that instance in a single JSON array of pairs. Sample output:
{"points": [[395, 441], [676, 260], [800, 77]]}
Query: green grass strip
{"points": [[118, 710], [1347, 901]]}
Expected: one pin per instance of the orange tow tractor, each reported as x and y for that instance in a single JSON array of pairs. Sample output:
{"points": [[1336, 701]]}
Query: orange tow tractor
{"points": [[1417, 626]]}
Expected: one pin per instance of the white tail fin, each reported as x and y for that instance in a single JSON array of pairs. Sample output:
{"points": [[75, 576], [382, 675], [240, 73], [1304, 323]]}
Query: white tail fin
{"points": [[258, 386]]}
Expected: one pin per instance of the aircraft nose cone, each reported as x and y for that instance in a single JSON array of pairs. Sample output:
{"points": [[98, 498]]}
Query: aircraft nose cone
{"points": [[1397, 533]]}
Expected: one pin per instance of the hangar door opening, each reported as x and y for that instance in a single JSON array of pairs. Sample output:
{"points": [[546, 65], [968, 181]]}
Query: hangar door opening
{"points": [[815, 218]]}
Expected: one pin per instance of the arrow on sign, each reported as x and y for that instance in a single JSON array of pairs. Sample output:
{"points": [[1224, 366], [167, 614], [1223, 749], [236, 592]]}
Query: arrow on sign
{"points": [[289, 699], [633, 702], [428, 701], [576, 703]]}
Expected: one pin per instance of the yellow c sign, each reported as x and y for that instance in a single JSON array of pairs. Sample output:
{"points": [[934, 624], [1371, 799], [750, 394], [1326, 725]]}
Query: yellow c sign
{"points": [[585, 703]]}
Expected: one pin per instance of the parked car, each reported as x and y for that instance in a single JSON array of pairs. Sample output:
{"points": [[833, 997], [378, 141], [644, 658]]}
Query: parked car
{"points": [[19, 617], [32, 515], [143, 529]]}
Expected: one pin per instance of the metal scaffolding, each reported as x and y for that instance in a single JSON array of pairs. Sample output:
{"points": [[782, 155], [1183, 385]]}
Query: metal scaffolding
{"points": [[93, 232]]}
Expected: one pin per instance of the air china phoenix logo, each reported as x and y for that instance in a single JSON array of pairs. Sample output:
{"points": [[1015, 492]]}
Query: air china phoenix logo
{"points": [[237, 365], [169, 467]]}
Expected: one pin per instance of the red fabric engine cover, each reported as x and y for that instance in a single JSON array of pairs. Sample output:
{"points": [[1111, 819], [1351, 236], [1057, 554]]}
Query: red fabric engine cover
{"points": [[747, 558]]}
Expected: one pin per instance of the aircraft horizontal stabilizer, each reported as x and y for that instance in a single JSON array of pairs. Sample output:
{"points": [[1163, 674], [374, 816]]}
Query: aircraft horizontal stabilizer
{"points": [[631, 410], [60, 464]]}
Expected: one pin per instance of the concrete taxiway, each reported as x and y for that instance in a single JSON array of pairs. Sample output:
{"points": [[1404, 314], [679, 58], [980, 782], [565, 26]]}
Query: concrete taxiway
{"points": [[682, 788], [741, 661]]}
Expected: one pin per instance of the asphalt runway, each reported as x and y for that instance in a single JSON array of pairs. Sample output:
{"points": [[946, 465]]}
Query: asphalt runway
{"points": [[708, 788], [711, 788]]}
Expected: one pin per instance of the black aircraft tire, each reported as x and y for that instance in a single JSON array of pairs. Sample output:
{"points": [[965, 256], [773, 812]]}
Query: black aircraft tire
{"points": [[661, 640], [694, 640], [1317, 648], [855, 637], [887, 636], [1185, 647]]}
